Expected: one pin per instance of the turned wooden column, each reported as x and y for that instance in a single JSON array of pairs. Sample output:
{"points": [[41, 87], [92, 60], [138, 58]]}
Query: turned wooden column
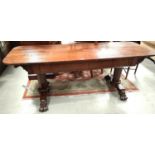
{"points": [[117, 75], [117, 83], [43, 90]]}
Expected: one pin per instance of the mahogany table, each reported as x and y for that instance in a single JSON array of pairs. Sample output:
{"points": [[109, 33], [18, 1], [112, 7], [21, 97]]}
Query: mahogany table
{"points": [[42, 59]]}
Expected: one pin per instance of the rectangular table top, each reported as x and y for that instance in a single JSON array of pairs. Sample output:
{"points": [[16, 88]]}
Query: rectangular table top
{"points": [[74, 52]]}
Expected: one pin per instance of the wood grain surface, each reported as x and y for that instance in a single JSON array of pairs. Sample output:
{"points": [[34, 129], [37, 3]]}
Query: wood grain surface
{"points": [[74, 52]]}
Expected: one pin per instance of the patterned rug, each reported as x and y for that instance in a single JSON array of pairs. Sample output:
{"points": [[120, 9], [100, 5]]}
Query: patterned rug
{"points": [[65, 84]]}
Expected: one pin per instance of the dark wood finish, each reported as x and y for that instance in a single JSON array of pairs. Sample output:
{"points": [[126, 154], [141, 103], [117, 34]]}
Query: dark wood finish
{"points": [[23, 43], [75, 52], [43, 90], [76, 57], [28, 43], [69, 66], [115, 81], [95, 42]]}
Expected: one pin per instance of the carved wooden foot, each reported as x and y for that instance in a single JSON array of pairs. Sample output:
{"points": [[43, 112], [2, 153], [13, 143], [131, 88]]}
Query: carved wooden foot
{"points": [[43, 106], [121, 91]]}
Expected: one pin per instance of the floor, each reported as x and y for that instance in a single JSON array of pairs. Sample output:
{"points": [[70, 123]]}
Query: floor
{"points": [[13, 83]]}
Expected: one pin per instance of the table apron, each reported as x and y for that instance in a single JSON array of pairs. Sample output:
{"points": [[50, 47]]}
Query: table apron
{"points": [[79, 65]]}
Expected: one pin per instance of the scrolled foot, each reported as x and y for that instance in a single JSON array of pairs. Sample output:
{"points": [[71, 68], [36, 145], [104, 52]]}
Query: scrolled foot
{"points": [[43, 106], [123, 96]]}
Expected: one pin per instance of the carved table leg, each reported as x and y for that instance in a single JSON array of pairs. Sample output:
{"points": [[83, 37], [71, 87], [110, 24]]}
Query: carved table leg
{"points": [[43, 90], [117, 83]]}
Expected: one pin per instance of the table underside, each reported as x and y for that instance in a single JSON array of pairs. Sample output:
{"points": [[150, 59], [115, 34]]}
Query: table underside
{"points": [[42, 69]]}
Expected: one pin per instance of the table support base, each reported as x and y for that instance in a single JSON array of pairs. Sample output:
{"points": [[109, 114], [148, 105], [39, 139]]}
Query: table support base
{"points": [[116, 82], [43, 90]]}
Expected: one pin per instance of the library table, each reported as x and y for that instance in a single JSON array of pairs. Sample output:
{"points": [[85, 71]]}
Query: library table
{"points": [[42, 59]]}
